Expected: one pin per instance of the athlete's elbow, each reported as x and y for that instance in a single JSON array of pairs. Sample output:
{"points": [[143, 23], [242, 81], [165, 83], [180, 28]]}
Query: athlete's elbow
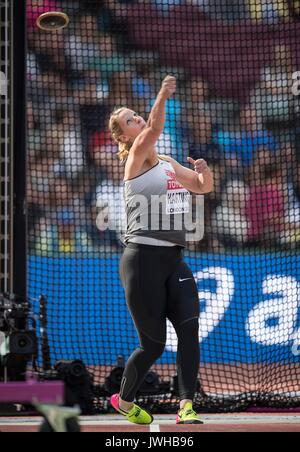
{"points": [[206, 189]]}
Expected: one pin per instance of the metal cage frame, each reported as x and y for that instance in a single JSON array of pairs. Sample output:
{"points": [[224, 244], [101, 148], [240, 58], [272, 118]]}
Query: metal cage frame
{"points": [[13, 258]]}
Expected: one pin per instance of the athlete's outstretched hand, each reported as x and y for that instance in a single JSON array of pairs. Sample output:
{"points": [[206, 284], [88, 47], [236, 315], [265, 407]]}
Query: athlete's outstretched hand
{"points": [[168, 86], [200, 165]]}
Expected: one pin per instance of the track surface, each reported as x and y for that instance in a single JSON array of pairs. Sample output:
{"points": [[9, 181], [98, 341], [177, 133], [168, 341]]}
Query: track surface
{"points": [[166, 424]]}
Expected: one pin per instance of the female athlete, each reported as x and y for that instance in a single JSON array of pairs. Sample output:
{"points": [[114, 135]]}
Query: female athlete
{"points": [[158, 284]]}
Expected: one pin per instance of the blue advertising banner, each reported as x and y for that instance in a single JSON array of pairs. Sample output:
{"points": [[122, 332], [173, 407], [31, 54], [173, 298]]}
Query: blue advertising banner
{"points": [[250, 308]]}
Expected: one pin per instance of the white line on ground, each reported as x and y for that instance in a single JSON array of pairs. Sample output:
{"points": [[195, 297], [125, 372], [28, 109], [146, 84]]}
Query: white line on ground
{"points": [[154, 428]]}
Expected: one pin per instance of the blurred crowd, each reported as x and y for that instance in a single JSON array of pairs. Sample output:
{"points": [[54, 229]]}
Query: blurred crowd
{"points": [[77, 76]]}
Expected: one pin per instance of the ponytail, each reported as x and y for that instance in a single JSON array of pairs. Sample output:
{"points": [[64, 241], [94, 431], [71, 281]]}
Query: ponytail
{"points": [[165, 158], [116, 132], [123, 153]]}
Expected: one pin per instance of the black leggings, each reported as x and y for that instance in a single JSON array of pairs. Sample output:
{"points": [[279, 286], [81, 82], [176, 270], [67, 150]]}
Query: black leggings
{"points": [[158, 285]]}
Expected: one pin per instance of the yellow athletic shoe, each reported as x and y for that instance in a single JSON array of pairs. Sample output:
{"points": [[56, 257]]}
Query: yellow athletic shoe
{"points": [[136, 415], [187, 415]]}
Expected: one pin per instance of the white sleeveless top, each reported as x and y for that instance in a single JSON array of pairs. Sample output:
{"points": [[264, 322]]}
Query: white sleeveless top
{"points": [[155, 207]]}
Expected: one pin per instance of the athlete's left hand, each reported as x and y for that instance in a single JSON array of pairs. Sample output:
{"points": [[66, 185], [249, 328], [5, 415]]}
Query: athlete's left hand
{"points": [[200, 165]]}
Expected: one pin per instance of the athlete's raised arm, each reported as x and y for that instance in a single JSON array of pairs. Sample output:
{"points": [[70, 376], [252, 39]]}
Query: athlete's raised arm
{"points": [[136, 136]]}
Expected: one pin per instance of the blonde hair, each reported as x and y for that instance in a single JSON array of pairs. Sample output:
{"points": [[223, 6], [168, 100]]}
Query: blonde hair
{"points": [[116, 132], [165, 158]]}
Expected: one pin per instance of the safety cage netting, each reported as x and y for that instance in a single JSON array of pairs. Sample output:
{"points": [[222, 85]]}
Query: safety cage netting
{"points": [[237, 107]]}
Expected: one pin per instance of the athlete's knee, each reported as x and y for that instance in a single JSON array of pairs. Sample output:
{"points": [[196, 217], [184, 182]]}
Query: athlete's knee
{"points": [[189, 328], [153, 347], [190, 323], [154, 350]]}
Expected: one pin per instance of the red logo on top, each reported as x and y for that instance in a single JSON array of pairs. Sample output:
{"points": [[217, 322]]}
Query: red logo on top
{"points": [[173, 184], [170, 174]]}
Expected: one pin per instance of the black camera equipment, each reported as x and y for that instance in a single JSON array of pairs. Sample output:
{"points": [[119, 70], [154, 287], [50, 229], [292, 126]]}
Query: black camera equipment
{"points": [[150, 385], [19, 342], [78, 384], [113, 381]]}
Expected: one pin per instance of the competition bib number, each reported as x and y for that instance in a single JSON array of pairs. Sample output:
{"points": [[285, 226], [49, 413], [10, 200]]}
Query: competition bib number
{"points": [[178, 199]]}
